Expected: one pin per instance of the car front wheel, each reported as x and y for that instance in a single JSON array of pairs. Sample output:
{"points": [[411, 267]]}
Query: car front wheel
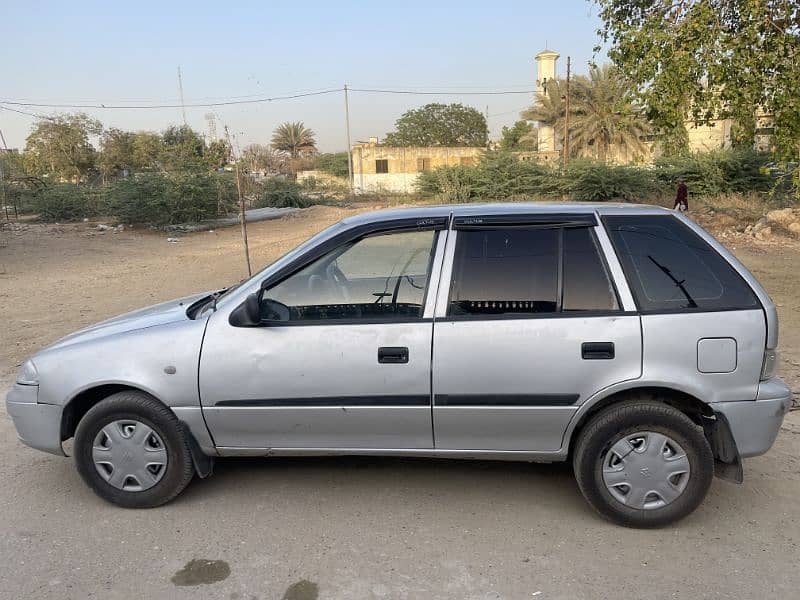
{"points": [[643, 463], [132, 451]]}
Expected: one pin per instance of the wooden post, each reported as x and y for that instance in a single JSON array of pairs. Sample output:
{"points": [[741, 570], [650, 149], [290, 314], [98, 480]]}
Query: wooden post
{"points": [[242, 216], [349, 146], [566, 119]]}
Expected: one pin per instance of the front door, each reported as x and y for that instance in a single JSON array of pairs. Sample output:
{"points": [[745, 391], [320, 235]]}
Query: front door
{"points": [[348, 368], [529, 328]]}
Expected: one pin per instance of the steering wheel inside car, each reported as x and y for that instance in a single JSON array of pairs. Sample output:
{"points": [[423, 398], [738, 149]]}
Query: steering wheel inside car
{"points": [[338, 278]]}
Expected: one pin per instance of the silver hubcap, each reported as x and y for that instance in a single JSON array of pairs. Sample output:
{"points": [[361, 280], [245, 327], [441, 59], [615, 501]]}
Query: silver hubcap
{"points": [[646, 470], [129, 455]]}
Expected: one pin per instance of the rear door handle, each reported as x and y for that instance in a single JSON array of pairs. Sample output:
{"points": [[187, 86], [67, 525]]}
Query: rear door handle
{"points": [[597, 350], [393, 355]]}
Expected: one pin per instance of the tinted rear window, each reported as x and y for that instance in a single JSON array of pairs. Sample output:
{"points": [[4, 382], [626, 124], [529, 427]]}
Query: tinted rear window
{"points": [[514, 271], [586, 282], [505, 271], [669, 267]]}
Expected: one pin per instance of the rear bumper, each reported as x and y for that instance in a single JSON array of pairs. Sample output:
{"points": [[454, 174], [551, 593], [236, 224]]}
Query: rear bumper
{"points": [[38, 425], [754, 424]]}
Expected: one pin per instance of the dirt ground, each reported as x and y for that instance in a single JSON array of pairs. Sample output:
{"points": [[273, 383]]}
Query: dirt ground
{"points": [[300, 529]]}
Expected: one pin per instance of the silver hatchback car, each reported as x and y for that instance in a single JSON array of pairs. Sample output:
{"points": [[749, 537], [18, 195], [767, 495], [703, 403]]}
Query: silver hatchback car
{"points": [[624, 339]]}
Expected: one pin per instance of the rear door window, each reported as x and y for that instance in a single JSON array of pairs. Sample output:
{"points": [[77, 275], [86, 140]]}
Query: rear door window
{"points": [[587, 285], [669, 267], [518, 271]]}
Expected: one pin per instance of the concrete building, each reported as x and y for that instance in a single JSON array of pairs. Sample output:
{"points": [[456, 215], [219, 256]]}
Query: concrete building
{"points": [[378, 168]]}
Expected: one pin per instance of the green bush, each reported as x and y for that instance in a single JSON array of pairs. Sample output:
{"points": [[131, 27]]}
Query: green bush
{"points": [[334, 163], [184, 197], [498, 176], [591, 181], [66, 202], [716, 172], [18, 194], [502, 176], [282, 193]]}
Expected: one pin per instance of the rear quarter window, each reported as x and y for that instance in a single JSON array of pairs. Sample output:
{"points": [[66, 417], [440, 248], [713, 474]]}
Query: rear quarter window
{"points": [[670, 268]]}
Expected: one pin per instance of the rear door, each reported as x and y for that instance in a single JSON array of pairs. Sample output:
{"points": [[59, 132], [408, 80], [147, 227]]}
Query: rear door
{"points": [[528, 326]]}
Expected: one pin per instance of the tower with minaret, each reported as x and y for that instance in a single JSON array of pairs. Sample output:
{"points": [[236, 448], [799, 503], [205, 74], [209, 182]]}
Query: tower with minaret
{"points": [[545, 72]]}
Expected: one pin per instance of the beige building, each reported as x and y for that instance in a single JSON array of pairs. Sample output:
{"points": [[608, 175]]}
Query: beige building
{"points": [[378, 168]]}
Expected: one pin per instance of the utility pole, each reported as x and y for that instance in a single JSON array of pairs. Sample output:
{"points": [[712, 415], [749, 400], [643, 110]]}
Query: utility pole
{"points": [[566, 118], [180, 90], [242, 216], [3, 179], [349, 146]]}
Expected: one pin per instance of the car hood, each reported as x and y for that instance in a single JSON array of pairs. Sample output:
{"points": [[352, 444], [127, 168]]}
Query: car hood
{"points": [[157, 314]]}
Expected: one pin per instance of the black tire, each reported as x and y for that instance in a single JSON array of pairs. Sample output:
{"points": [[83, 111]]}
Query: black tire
{"points": [[140, 407], [612, 424]]}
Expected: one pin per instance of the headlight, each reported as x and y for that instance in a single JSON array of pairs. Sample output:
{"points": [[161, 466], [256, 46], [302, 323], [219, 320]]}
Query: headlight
{"points": [[28, 375]]}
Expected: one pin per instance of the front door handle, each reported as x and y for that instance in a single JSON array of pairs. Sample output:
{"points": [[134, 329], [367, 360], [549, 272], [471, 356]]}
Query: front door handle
{"points": [[393, 355], [597, 350]]}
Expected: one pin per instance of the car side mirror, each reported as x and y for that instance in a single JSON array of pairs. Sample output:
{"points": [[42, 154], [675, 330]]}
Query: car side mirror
{"points": [[248, 313], [274, 311]]}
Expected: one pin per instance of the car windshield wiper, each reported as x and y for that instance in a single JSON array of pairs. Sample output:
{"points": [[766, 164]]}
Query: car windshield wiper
{"points": [[679, 284], [208, 301]]}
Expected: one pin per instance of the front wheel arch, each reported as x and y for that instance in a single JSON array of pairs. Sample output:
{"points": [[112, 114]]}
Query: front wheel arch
{"points": [[77, 408]]}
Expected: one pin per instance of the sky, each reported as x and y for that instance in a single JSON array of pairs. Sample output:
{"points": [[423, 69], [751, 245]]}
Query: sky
{"points": [[116, 53]]}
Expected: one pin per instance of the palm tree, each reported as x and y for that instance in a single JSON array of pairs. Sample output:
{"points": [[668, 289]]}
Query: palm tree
{"points": [[294, 139], [604, 121], [549, 107], [548, 110]]}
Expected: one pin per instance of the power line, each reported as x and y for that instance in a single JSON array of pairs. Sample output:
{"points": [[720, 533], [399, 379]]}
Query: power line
{"points": [[440, 93], [214, 99], [23, 112], [261, 100], [508, 112], [152, 106]]}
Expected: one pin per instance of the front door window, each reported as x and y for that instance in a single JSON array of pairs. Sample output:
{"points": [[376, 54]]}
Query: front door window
{"points": [[380, 276]]}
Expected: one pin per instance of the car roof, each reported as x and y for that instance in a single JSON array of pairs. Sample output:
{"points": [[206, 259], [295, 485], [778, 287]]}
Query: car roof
{"points": [[505, 208]]}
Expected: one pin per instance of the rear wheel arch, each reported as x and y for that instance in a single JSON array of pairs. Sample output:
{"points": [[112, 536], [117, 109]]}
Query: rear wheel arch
{"points": [[694, 408]]}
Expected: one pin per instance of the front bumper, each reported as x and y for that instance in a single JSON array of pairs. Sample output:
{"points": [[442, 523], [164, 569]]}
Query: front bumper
{"points": [[38, 425], [754, 424]]}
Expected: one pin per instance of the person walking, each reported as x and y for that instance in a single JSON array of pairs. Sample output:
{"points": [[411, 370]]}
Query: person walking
{"points": [[682, 197]]}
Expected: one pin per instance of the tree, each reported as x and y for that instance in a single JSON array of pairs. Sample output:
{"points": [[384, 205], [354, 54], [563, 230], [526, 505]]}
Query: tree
{"points": [[710, 59], [218, 154], [257, 157], [59, 147], [116, 152], [334, 163], [519, 136], [603, 117], [440, 125], [294, 139], [183, 147], [549, 107], [148, 148]]}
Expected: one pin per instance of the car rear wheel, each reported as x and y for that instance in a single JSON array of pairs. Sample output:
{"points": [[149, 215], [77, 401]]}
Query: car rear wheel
{"points": [[643, 463], [132, 451]]}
